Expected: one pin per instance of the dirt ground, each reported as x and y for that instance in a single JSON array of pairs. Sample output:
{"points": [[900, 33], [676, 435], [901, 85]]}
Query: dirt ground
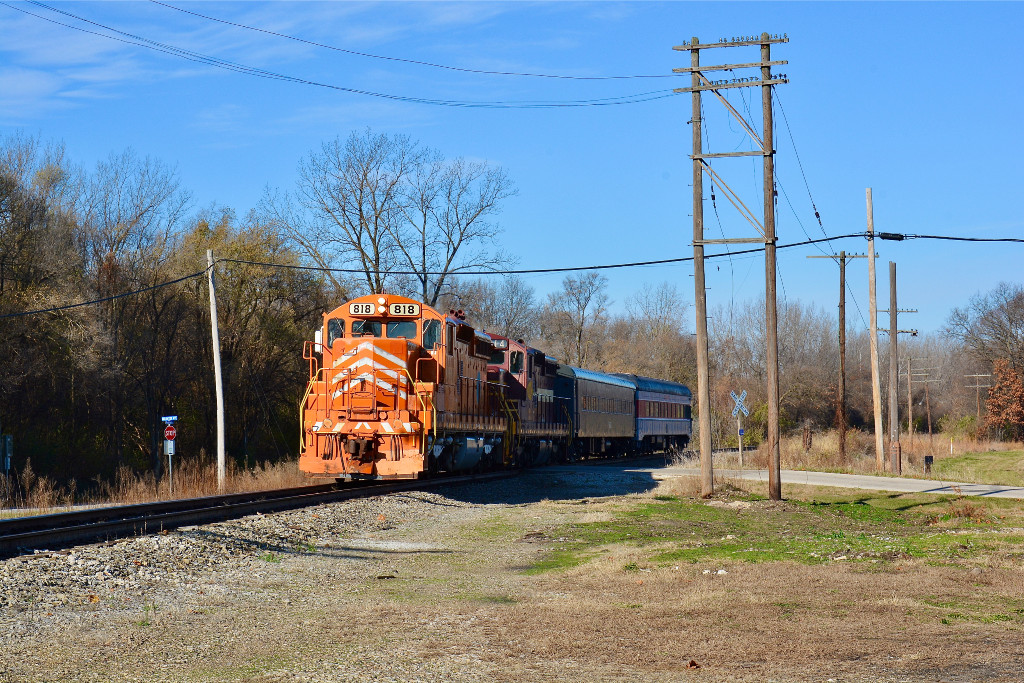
{"points": [[469, 592]]}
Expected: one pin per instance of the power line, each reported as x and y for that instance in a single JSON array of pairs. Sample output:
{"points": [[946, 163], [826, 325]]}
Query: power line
{"points": [[797, 155], [533, 271], [108, 298], [527, 271], [403, 59], [140, 41]]}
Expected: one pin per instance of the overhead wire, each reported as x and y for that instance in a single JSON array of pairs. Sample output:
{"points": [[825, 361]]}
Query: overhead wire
{"points": [[190, 55], [54, 309], [753, 250], [404, 60]]}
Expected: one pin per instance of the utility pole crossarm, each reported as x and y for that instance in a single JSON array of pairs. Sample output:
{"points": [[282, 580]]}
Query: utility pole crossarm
{"points": [[774, 80], [726, 67], [734, 42]]}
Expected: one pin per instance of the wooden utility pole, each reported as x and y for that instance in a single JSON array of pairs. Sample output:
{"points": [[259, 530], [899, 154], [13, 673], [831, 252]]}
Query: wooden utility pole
{"points": [[910, 404], [841, 417], [707, 479], [699, 82], [911, 374], [895, 454], [876, 389], [895, 457], [217, 378], [771, 316], [978, 386]]}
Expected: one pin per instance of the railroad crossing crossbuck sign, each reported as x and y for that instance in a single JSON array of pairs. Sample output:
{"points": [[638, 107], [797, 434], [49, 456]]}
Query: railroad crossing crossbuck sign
{"points": [[739, 403]]}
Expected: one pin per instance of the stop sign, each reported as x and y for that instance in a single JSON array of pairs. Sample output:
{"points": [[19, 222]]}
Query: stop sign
{"points": [[170, 432]]}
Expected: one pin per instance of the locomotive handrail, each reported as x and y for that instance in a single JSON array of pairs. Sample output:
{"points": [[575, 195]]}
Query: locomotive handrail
{"points": [[423, 406], [302, 408]]}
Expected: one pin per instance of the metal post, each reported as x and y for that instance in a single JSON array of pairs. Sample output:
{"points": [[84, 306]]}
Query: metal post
{"points": [[771, 313], [707, 481], [895, 458], [739, 436], [876, 389], [217, 378]]}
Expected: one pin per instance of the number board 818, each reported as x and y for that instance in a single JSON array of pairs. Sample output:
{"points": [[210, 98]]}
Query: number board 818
{"points": [[361, 309], [404, 309]]}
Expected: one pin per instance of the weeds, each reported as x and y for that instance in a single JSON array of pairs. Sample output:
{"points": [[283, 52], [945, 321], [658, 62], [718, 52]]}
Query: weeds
{"points": [[148, 610], [192, 479]]}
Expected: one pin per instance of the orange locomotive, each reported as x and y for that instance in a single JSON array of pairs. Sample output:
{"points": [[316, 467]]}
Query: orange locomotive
{"points": [[397, 389]]}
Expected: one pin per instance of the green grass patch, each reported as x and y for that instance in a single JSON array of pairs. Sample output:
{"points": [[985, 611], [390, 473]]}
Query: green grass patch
{"points": [[875, 528], [993, 467]]}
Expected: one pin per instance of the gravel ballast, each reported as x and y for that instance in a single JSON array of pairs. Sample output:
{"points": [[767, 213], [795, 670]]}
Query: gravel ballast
{"points": [[449, 584]]}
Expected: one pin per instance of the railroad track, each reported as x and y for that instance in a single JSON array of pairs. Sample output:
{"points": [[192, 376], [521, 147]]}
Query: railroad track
{"points": [[24, 535]]}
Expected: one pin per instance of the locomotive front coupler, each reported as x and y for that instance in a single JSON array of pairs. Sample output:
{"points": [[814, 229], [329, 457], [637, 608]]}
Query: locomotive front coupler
{"points": [[360, 448]]}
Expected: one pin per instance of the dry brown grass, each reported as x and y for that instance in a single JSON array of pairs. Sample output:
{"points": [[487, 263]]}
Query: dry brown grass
{"points": [[192, 479], [860, 452]]}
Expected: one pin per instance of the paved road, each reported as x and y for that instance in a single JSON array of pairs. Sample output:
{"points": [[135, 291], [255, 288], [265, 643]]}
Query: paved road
{"points": [[855, 481]]}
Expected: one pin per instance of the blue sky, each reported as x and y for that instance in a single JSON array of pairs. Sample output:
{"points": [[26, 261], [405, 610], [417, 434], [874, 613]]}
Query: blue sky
{"points": [[920, 101]]}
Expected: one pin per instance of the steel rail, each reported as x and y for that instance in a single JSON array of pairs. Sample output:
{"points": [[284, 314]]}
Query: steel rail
{"points": [[24, 535]]}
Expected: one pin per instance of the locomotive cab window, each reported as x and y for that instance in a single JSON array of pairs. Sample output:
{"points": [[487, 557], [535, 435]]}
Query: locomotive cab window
{"points": [[497, 357], [515, 365], [431, 334], [450, 339], [366, 328], [335, 330], [405, 329]]}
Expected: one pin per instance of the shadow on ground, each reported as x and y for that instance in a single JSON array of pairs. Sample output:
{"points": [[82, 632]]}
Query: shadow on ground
{"points": [[559, 482]]}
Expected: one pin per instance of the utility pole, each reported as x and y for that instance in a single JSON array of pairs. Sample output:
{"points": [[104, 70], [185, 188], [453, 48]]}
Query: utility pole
{"points": [[876, 389], [911, 374], [895, 455], [978, 386], [707, 479], [910, 406], [841, 418], [699, 83], [217, 378]]}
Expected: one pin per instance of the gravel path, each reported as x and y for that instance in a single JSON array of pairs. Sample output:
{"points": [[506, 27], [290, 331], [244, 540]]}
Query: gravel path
{"points": [[202, 603], [439, 586]]}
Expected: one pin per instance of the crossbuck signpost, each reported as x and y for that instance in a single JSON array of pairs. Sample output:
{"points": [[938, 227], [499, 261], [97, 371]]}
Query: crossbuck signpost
{"points": [[740, 408]]}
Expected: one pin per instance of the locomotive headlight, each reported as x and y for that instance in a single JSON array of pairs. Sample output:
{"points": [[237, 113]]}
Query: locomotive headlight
{"points": [[381, 300], [381, 309]]}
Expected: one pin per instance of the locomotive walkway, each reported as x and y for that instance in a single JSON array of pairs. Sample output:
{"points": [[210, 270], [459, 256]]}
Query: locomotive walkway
{"points": [[855, 481]]}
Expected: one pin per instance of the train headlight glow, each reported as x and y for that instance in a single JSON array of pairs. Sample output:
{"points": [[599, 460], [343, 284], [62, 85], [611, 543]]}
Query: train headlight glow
{"points": [[381, 309], [381, 300]]}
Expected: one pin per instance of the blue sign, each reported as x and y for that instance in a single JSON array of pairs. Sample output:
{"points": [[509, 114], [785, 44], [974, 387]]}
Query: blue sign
{"points": [[742, 432], [169, 418]]}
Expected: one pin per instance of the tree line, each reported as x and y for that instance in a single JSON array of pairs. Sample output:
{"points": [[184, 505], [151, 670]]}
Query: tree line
{"points": [[83, 389]]}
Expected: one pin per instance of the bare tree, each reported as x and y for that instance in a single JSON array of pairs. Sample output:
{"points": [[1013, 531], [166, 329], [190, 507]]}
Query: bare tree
{"points": [[650, 339], [354, 192], [449, 221], [507, 307], [573, 315], [387, 205], [991, 326]]}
